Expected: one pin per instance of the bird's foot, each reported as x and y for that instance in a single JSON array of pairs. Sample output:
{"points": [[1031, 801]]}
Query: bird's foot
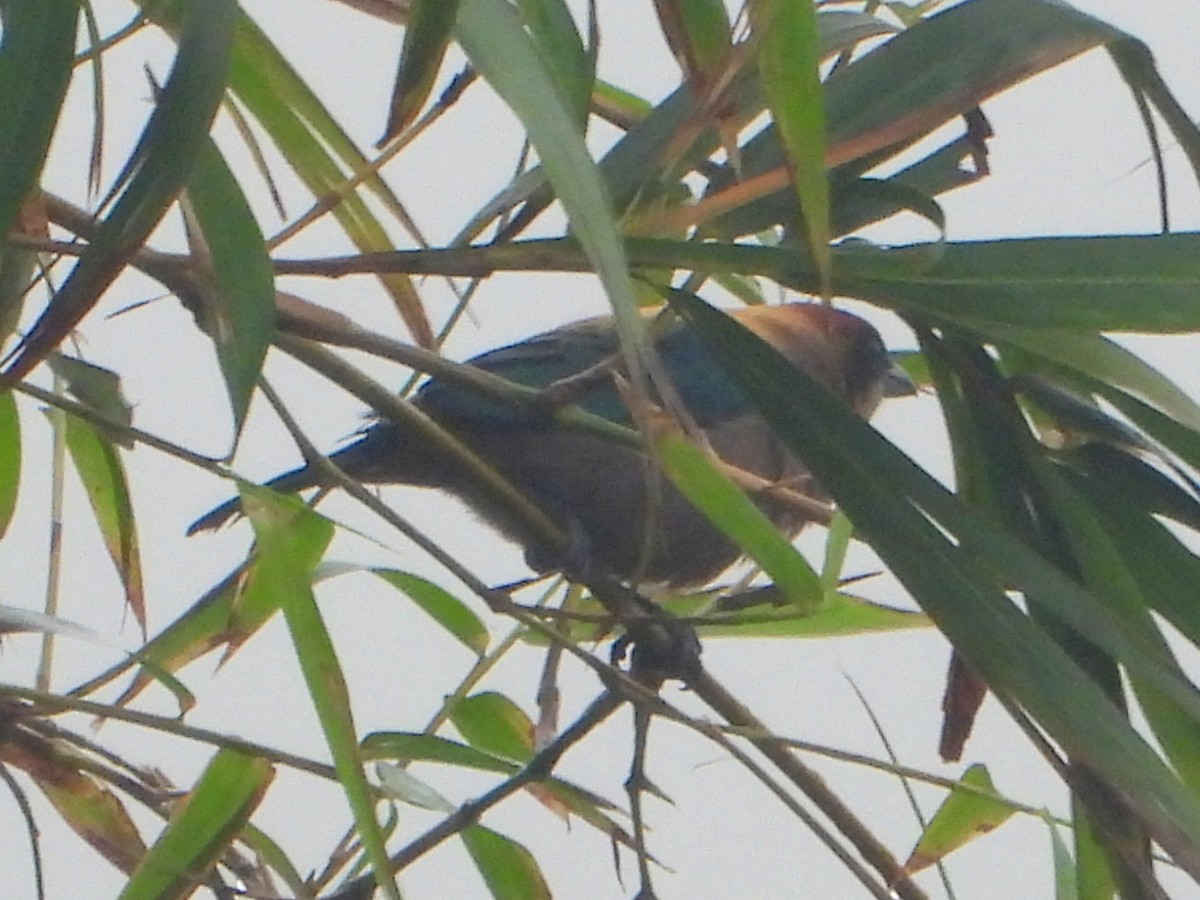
{"points": [[574, 558], [662, 648]]}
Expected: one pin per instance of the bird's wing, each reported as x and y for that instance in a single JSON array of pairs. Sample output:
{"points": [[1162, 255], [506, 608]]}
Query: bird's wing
{"points": [[539, 362]]}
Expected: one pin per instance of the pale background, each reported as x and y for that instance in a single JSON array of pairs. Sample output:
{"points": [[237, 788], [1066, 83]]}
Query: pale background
{"points": [[1068, 158]]}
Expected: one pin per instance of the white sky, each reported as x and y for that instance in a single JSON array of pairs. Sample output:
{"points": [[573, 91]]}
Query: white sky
{"points": [[1066, 159]]}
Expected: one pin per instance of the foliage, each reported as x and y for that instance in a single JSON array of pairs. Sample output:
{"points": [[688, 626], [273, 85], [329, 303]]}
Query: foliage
{"points": [[1052, 566]]}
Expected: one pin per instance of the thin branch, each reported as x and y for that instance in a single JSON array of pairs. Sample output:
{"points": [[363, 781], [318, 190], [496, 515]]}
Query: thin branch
{"points": [[809, 782], [471, 812], [35, 850], [50, 704]]}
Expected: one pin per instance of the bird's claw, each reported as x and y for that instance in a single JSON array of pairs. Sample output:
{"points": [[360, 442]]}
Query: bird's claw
{"points": [[663, 648]]}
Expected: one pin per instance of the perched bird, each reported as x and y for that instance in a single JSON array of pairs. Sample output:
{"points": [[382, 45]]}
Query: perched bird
{"points": [[595, 487]]}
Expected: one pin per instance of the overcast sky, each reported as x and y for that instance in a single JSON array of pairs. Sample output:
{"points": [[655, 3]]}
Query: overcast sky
{"points": [[1069, 157]]}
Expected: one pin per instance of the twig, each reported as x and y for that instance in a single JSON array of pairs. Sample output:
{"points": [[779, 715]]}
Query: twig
{"points": [[471, 812], [35, 850], [809, 782]]}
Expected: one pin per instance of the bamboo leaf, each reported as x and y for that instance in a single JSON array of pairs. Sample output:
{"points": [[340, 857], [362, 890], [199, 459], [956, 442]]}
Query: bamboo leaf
{"points": [[216, 810], [895, 505], [442, 606], [152, 177], [491, 722], [961, 818], [499, 47], [788, 66], [243, 307], [35, 70], [510, 871], [427, 34], [100, 469], [732, 511], [10, 458], [291, 542]]}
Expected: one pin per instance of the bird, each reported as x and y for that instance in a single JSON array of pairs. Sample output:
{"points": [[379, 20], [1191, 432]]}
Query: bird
{"points": [[600, 490]]}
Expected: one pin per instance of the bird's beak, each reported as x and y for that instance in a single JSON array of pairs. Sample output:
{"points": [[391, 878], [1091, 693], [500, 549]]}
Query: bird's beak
{"points": [[896, 382]]}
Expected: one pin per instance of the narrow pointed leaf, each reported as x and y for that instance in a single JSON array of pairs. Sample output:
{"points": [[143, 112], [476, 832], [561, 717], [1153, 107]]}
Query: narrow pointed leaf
{"points": [[96, 387], [427, 34], [892, 502], [154, 175], [962, 817], [216, 810], [788, 67], [1103, 359], [1127, 283], [443, 607], [100, 469], [432, 748], [839, 615], [315, 146], [510, 871], [950, 63], [10, 458], [733, 512], [88, 807], [697, 31], [568, 61], [491, 722], [493, 38], [243, 307], [291, 543], [399, 784], [35, 69]]}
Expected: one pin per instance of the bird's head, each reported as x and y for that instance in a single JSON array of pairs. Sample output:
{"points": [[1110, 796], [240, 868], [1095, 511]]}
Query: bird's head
{"points": [[842, 351]]}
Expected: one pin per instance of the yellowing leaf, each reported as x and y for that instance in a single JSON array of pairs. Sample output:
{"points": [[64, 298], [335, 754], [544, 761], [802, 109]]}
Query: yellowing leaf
{"points": [[962, 817]]}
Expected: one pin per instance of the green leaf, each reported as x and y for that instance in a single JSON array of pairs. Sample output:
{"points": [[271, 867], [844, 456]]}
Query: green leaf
{"points": [[949, 63], [1127, 283], [427, 34], [243, 305], [273, 856], [502, 50], [99, 466], [697, 32], [36, 57], [491, 722], [153, 176], [906, 516], [320, 153], [10, 458], [227, 616], [837, 545], [962, 817], [216, 810], [291, 542], [509, 869], [1088, 284], [1103, 359], [839, 615], [431, 748], [96, 387], [1064, 865], [788, 67], [732, 511], [567, 60], [442, 606]]}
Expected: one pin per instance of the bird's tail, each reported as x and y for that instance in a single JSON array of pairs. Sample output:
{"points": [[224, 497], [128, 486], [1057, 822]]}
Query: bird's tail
{"points": [[287, 483], [383, 454]]}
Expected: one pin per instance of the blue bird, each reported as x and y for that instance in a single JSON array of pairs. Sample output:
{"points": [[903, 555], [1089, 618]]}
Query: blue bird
{"points": [[598, 488]]}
